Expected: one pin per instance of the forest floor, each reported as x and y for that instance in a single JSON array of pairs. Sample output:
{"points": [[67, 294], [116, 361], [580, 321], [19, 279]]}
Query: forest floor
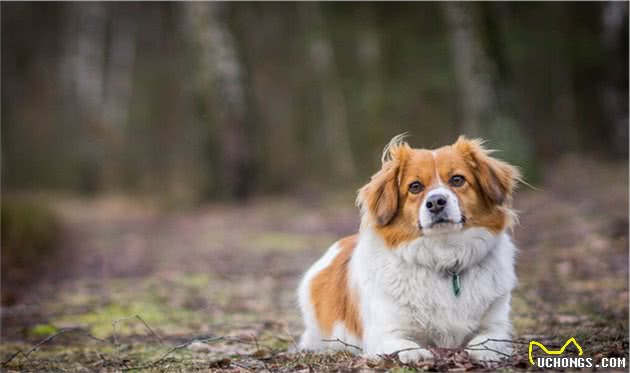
{"points": [[133, 287]]}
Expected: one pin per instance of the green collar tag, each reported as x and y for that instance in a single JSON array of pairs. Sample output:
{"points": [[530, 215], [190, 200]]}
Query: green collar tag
{"points": [[456, 289]]}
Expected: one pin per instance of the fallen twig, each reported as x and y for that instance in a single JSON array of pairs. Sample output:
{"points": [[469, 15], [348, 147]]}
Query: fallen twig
{"points": [[50, 338], [343, 343], [137, 317], [497, 340], [241, 366], [264, 363], [395, 353], [172, 350], [488, 349]]}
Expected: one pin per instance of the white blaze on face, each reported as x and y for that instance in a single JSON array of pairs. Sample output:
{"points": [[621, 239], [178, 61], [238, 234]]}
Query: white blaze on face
{"points": [[452, 213]]}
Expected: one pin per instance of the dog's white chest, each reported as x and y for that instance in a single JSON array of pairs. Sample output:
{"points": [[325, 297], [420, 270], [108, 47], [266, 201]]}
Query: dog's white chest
{"points": [[431, 311], [416, 280]]}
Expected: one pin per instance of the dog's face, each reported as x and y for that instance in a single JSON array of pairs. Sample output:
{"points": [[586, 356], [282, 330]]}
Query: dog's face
{"points": [[430, 192]]}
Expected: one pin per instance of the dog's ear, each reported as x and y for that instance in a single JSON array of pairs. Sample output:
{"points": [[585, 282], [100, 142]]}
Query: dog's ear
{"points": [[496, 178], [379, 198]]}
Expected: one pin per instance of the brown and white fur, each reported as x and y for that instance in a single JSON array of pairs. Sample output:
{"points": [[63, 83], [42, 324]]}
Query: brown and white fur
{"points": [[389, 288]]}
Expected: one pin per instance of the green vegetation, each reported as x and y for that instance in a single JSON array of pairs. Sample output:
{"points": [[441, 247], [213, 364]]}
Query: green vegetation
{"points": [[30, 229]]}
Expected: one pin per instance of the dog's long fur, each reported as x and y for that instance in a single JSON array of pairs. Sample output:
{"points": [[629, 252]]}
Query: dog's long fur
{"points": [[390, 287]]}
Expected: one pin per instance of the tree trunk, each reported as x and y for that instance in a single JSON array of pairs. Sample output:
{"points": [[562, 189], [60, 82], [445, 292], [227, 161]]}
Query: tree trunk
{"points": [[118, 90], [120, 64], [89, 80], [471, 67], [222, 88], [614, 19], [370, 61], [333, 103], [479, 87]]}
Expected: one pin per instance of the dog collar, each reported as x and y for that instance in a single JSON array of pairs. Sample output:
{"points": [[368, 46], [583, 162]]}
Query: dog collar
{"points": [[455, 282]]}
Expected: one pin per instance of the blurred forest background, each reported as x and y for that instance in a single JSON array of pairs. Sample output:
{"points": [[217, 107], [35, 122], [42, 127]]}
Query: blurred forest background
{"points": [[186, 162], [195, 102]]}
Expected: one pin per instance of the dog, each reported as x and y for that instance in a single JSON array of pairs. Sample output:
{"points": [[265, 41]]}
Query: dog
{"points": [[431, 266]]}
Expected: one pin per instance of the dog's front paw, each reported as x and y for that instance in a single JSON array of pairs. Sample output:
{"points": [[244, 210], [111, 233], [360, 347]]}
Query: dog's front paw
{"points": [[417, 354], [406, 351], [486, 350]]}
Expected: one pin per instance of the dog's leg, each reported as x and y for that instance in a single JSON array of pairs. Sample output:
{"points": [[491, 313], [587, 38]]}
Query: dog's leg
{"points": [[493, 341], [384, 336]]}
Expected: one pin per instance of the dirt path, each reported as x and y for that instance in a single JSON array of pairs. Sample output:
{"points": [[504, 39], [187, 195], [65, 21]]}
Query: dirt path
{"points": [[232, 270]]}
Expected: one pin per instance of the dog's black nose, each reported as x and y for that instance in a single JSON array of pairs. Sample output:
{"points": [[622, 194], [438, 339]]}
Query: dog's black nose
{"points": [[436, 203]]}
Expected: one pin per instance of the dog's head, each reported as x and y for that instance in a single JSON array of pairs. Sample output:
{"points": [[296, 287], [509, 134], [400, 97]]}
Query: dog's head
{"points": [[421, 192]]}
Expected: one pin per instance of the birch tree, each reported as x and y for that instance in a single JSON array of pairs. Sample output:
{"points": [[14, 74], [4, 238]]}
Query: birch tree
{"points": [[478, 85], [221, 86]]}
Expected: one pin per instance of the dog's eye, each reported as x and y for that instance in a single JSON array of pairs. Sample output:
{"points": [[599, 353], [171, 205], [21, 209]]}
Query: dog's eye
{"points": [[457, 180], [416, 187]]}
